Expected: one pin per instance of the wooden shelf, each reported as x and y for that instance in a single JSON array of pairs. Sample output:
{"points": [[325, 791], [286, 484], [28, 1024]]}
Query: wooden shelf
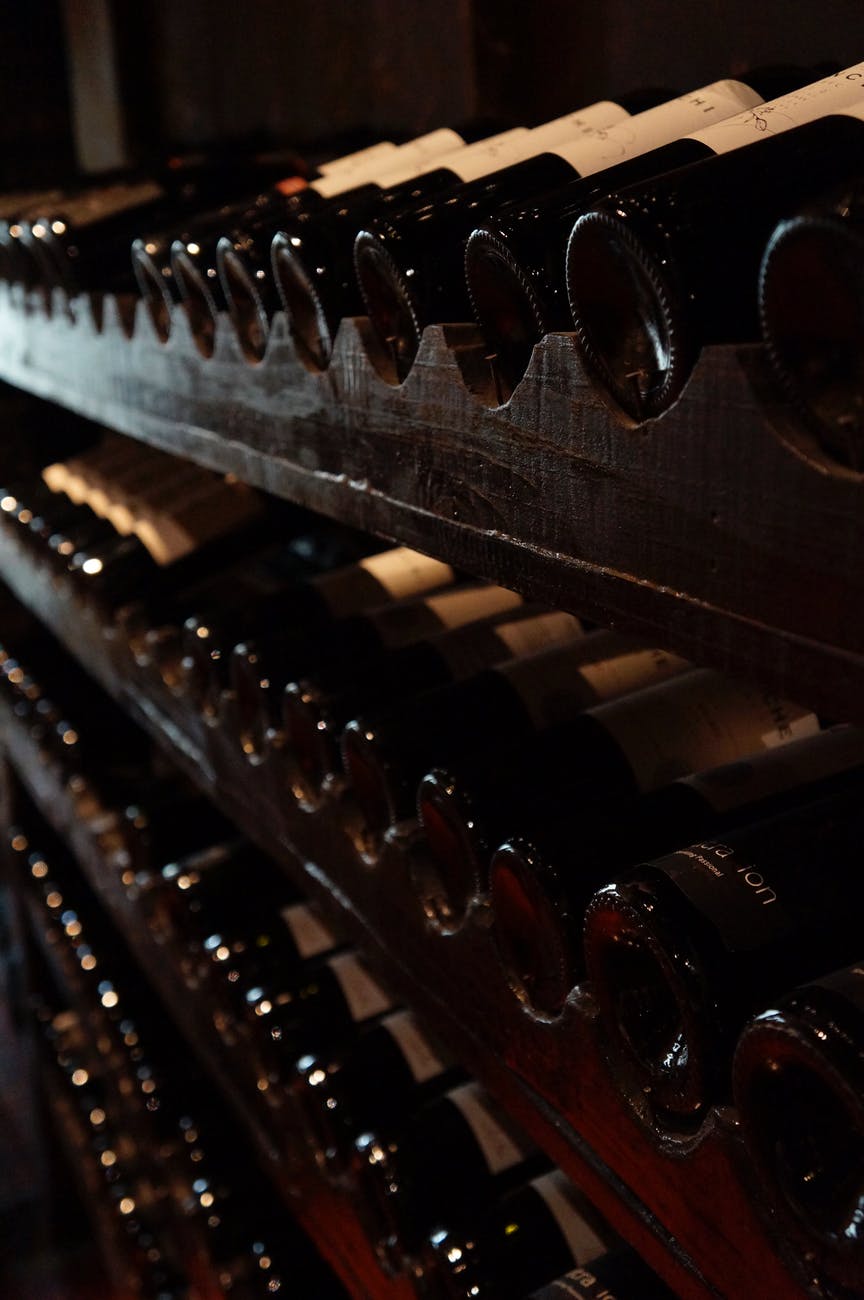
{"points": [[551, 1076], [719, 530]]}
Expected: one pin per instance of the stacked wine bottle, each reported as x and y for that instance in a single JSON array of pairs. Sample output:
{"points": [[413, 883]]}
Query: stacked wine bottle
{"points": [[611, 221]]}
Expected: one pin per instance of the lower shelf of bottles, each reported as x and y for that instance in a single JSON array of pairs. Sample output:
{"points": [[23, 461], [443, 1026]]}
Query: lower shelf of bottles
{"points": [[685, 1207], [325, 1213]]}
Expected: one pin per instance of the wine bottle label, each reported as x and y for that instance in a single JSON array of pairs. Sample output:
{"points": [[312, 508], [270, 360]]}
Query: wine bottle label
{"points": [[696, 722], [310, 934], [527, 636], [363, 995], [743, 904], [814, 758], [108, 202], [410, 621], [350, 162], [420, 1057], [842, 93], [556, 685], [391, 168], [593, 148], [398, 573], [500, 1148], [602, 114], [594, 1283], [561, 1200]]}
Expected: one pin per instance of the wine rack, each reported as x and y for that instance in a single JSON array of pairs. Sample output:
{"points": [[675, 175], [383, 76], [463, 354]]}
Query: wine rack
{"points": [[551, 1075], [720, 530]]}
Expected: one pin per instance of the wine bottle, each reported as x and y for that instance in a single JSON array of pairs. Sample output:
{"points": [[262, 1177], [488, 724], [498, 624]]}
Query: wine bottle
{"points": [[380, 1079], [316, 709], [313, 258], [620, 1275], [541, 880], [385, 756], [307, 608], [654, 272], [86, 236], [531, 1236], [244, 281], [799, 1080], [315, 1010], [630, 745], [683, 950], [810, 312], [151, 253], [259, 673], [411, 266], [407, 1174]]}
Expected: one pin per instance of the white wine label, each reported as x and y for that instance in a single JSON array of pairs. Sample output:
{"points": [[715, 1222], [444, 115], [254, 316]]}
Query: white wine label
{"points": [[562, 1199], [593, 148], [558, 683], [349, 162], [107, 202], [486, 156], [778, 769], [456, 608], [420, 1057], [499, 1147], [696, 722], [602, 114], [842, 93], [402, 572], [311, 935], [529, 635], [404, 162], [363, 994]]}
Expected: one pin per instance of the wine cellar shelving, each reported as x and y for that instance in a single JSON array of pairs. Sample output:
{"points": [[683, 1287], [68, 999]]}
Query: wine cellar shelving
{"points": [[653, 530]]}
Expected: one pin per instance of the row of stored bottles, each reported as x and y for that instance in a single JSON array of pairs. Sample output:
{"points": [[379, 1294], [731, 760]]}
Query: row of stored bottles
{"points": [[640, 224], [680, 951], [446, 1185]]}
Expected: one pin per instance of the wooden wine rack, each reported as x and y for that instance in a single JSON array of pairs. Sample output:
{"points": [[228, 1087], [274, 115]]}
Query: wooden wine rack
{"points": [[708, 531]]}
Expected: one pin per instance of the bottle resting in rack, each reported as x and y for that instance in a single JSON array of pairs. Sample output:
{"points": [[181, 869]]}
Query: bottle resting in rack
{"points": [[240, 253], [514, 259], [259, 675], [655, 272], [811, 309], [799, 1081], [541, 880], [683, 950], [379, 1079], [410, 262], [316, 709], [386, 754], [631, 744], [313, 257]]}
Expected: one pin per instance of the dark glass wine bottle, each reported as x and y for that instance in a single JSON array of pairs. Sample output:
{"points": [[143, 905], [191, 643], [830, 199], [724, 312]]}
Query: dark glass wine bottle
{"points": [[316, 709], [86, 235], [529, 1237], [811, 311], [631, 745], [620, 1275], [655, 271], [410, 264], [541, 880], [407, 1174], [385, 756], [799, 1083], [313, 258], [181, 263], [380, 1079], [514, 260], [241, 249], [260, 672], [683, 950]]}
